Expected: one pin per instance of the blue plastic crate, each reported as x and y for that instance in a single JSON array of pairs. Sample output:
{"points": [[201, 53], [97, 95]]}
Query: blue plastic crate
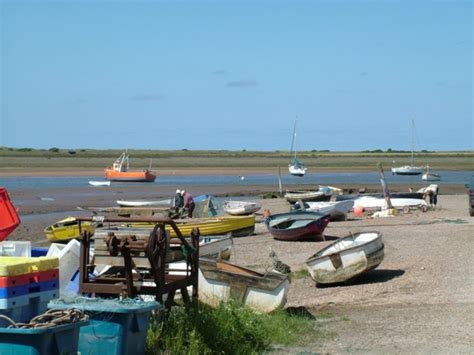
{"points": [[62, 339], [30, 307], [15, 291], [39, 251], [114, 329]]}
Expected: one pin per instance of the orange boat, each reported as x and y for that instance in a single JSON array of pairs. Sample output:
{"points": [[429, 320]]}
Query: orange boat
{"points": [[120, 172]]}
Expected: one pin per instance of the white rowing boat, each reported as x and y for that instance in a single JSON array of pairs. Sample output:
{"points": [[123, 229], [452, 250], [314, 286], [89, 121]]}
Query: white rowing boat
{"points": [[144, 203], [238, 208], [346, 258], [99, 183], [337, 210], [370, 202]]}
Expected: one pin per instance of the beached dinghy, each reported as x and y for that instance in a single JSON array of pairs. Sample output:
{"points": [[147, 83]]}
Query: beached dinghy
{"points": [[369, 202], [221, 281], [296, 226], [306, 196], [238, 208], [337, 210], [144, 203], [67, 229], [346, 258]]}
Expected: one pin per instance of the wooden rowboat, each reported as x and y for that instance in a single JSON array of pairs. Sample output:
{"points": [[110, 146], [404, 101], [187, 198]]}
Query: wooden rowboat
{"points": [[346, 258], [238, 208], [296, 226], [220, 281]]}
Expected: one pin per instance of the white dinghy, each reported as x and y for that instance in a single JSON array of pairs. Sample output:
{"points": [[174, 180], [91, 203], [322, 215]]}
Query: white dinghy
{"points": [[337, 210], [346, 258], [220, 281], [144, 203], [369, 202], [99, 183], [239, 208]]}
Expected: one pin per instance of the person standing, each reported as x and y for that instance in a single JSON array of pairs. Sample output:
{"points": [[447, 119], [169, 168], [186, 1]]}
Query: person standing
{"points": [[188, 202], [178, 200]]}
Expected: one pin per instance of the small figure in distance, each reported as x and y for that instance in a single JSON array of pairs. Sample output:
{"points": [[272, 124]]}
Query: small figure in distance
{"points": [[188, 202], [410, 189]]}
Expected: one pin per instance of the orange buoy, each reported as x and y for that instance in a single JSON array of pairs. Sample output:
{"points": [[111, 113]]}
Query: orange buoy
{"points": [[359, 211]]}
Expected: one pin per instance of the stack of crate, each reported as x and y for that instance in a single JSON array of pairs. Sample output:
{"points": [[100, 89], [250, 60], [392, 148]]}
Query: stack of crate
{"points": [[26, 286]]}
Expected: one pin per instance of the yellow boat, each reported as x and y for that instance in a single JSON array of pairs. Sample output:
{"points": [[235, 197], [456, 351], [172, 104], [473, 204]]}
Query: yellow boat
{"points": [[67, 229], [236, 225]]}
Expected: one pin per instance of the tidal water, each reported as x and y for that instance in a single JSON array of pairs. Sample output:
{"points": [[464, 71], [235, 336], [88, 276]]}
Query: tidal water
{"points": [[49, 182]]}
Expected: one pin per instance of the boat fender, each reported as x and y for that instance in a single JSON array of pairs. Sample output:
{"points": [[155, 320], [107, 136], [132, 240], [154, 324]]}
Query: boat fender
{"points": [[359, 211]]}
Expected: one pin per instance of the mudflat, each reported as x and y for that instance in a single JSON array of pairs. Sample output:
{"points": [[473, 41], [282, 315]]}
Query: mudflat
{"points": [[419, 300]]}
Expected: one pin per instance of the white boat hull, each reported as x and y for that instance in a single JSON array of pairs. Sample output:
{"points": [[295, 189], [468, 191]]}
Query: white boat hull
{"points": [[408, 170], [263, 293], [238, 208], [336, 210], [99, 183], [144, 203], [346, 258], [379, 203], [296, 171], [431, 177]]}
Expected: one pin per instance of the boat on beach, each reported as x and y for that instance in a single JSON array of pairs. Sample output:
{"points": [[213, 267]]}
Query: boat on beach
{"points": [[144, 203], [220, 281], [66, 229], [239, 208], [337, 210], [308, 195], [120, 172], [297, 226], [346, 258], [369, 202], [237, 226]]}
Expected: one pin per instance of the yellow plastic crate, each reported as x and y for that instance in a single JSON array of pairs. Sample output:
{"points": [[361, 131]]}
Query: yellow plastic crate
{"points": [[16, 265]]}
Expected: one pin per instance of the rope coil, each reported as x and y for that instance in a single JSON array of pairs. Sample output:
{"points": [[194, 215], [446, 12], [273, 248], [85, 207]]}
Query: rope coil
{"points": [[51, 318]]}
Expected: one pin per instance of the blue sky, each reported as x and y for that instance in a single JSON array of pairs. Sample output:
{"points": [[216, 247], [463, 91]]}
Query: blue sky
{"points": [[235, 74]]}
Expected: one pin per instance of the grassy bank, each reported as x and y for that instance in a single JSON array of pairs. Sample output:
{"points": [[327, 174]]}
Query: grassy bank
{"points": [[229, 329], [60, 159]]}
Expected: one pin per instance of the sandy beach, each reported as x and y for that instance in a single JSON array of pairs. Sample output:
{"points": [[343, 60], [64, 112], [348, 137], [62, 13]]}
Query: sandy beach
{"points": [[419, 300]]}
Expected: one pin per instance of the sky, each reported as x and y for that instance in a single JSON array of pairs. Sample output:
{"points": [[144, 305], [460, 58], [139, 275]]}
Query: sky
{"points": [[235, 75]]}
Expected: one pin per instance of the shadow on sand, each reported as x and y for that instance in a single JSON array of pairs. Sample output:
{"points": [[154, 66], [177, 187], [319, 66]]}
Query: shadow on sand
{"points": [[370, 277]]}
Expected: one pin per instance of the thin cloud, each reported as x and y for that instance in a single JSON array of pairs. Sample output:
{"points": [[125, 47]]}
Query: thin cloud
{"points": [[147, 97], [220, 72], [241, 84]]}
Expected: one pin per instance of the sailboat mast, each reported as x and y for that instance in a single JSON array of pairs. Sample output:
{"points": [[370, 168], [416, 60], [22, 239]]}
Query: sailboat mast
{"points": [[294, 138], [412, 141]]}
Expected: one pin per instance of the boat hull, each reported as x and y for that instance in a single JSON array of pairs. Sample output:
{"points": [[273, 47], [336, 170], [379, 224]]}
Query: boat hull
{"points": [[408, 170], [222, 282], [63, 233], [284, 226], [346, 258], [236, 225], [306, 196], [240, 208], [129, 176], [431, 177], [337, 210]]}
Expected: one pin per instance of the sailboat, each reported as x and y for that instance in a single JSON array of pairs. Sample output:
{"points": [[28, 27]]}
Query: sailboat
{"points": [[429, 176], [296, 168], [409, 169]]}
